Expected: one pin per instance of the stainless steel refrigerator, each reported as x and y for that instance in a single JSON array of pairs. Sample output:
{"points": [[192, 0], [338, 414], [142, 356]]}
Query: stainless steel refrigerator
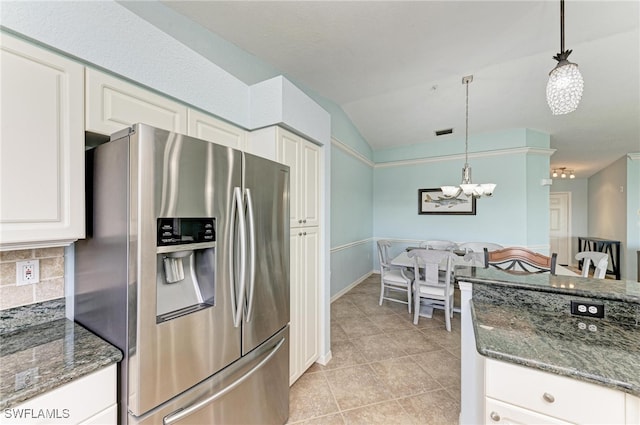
{"points": [[185, 268]]}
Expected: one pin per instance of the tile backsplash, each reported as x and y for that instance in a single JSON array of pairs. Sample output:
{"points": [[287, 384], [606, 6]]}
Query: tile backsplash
{"points": [[51, 283]]}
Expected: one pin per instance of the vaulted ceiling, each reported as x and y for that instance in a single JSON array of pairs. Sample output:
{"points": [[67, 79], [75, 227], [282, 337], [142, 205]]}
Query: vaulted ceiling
{"points": [[396, 67]]}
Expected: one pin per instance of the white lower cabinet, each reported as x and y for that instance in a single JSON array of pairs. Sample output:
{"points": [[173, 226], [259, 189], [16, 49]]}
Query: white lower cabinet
{"points": [[42, 140], [498, 412], [87, 400], [305, 301], [633, 409], [521, 395]]}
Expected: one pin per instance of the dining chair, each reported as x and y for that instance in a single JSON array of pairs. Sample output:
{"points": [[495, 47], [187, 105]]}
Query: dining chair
{"points": [[392, 278], [434, 288], [479, 246], [520, 260], [474, 251], [439, 244], [600, 260]]}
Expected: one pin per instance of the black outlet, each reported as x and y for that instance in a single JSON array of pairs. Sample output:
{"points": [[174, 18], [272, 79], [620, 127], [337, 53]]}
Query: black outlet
{"points": [[587, 308]]}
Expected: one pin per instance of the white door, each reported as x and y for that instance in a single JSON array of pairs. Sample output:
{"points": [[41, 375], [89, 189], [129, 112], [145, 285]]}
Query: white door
{"points": [[560, 225]]}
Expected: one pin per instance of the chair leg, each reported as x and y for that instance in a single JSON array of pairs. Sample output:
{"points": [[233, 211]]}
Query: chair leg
{"points": [[381, 293], [447, 308], [409, 291], [416, 308]]}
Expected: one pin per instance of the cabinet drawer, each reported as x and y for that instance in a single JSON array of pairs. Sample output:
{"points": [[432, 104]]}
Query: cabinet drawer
{"points": [[497, 412], [554, 395]]}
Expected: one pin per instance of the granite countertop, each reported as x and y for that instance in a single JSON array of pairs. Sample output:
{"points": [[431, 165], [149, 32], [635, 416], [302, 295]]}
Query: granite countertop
{"points": [[41, 350], [620, 290], [526, 320]]}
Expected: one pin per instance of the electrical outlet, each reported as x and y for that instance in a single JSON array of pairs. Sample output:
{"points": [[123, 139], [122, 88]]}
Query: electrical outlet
{"points": [[27, 272], [587, 308]]}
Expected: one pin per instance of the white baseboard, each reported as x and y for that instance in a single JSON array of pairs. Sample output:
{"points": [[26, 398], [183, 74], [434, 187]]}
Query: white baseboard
{"points": [[351, 286], [324, 360]]}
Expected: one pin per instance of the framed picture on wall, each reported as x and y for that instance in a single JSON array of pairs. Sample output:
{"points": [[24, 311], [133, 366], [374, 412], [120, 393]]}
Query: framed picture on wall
{"points": [[432, 201]]}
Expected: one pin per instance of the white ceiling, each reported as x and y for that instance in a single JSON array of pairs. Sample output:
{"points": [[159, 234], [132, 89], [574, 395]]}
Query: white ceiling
{"points": [[396, 67]]}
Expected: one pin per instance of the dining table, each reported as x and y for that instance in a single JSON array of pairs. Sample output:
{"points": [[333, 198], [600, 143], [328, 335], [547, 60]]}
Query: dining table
{"points": [[463, 258]]}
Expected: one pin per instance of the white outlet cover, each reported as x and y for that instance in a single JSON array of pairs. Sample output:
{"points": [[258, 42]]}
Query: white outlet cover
{"points": [[27, 272]]}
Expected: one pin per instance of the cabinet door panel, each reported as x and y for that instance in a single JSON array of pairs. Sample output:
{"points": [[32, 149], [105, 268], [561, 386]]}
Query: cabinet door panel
{"points": [[42, 136], [310, 300], [289, 154], [295, 290], [311, 184], [114, 104], [208, 128]]}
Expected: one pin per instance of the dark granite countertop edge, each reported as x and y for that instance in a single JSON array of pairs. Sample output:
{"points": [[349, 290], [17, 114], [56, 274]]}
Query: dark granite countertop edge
{"points": [[551, 368], [90, 354], [568, 291]]}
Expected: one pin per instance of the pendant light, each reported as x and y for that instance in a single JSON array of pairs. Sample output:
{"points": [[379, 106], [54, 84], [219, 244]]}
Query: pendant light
{"points": [[467, 187], [565, 85]]}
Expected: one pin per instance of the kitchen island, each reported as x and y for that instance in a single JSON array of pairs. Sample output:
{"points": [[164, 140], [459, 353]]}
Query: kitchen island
{"points": [[519, 328]]}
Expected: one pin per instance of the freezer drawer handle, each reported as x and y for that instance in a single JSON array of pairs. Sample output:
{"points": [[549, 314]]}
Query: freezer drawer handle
{"points": [[183, 413]]}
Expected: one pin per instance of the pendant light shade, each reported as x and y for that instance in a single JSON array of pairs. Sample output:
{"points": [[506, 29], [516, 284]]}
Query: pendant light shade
{"points": [[565, 85]]}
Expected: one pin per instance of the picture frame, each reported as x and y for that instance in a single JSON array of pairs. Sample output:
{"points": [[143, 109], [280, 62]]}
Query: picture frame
{"points": [[432, 201]]}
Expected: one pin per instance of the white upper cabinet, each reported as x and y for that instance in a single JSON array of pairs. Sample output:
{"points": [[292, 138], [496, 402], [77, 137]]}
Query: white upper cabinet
{"points": [[113, 104], [209, 128], [42, 147], [303, 159]]}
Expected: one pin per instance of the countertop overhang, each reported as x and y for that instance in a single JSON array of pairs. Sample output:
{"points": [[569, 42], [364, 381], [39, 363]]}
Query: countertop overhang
{"points": [[526, 320], [40, 350]]}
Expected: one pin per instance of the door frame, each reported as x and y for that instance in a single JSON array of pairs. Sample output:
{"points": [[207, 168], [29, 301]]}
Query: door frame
{"points": [[565, 198]]}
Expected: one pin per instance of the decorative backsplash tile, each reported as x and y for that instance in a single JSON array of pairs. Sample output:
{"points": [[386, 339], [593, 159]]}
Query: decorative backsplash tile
{"points": [[51, 283]]}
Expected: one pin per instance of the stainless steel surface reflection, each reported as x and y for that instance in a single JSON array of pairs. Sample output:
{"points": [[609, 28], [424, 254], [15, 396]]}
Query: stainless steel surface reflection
{"points": [[186, 270]]}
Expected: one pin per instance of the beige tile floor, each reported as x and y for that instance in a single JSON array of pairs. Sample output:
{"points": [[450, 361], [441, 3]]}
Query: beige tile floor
{"points": [[384, 370]]}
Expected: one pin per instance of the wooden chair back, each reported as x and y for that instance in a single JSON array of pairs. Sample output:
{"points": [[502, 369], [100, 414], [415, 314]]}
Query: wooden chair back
{"points": [[521, 260]]}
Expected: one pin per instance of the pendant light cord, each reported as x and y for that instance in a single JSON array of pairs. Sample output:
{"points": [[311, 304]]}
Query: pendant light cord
{"points": [[561, 26], [466, 129]]}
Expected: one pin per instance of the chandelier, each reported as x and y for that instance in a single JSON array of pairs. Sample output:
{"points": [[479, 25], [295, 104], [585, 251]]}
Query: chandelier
{"points": [[467, 187], [565, 85], [563, 173]]}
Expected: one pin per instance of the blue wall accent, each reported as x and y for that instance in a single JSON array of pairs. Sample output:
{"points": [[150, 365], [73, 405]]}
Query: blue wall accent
{"points": [[351, 219]]}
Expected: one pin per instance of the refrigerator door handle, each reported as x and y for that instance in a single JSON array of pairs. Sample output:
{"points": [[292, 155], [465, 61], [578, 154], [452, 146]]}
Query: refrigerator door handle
{"points": [[178, 415], [237, 208], [252, 253]]}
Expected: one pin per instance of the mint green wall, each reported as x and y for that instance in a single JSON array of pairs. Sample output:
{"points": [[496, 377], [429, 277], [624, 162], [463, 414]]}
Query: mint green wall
{"points": [[537, 219], [454, 145], [517, 214]]}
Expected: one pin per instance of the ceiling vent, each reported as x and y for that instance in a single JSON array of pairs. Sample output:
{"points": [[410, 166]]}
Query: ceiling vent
{"points": [[443, 132]]}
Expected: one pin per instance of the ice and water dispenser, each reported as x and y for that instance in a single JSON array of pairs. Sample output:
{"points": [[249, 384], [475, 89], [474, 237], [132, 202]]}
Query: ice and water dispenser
{"points": [[185, 276]]}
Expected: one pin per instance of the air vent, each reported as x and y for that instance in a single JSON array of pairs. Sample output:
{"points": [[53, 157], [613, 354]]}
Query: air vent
{"points": [[443, 132]]}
